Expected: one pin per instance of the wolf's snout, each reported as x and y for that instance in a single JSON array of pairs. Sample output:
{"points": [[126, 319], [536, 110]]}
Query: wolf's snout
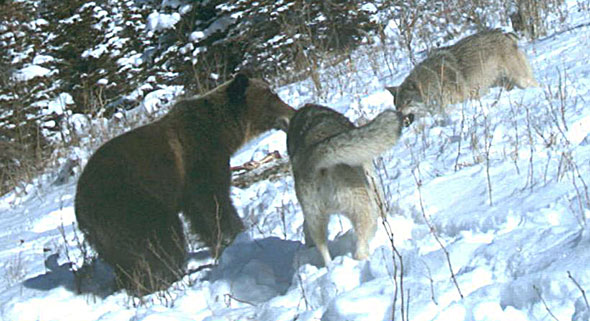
{"points": [[408, 120]]}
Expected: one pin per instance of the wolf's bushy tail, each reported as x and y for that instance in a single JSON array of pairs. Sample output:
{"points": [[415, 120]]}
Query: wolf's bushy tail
{"points": [[359, 145]]}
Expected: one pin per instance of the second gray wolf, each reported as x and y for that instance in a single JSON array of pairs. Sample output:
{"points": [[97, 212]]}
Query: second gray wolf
{"points": [[465, 70], [332, 167]]}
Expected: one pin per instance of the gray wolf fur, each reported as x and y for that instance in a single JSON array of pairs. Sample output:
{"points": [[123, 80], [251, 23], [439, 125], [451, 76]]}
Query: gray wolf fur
{"points": [[332, 167], [465, 70], [134, 186]]}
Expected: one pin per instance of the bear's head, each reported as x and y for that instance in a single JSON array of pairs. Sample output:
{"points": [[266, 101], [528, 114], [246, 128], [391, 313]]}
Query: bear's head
{"points": [[253, 101]]}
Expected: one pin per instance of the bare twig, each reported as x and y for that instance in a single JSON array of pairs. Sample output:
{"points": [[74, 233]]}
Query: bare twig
{"points": [[282, 210], [201, 268], [460, 137], [229, 297], [488, 138], [433, 231], [530, 177], [569, 275], [487, 147], [516, 138], [73, 268], [544, 303], [303, 295], [217, 248], [432, 297], [568, 161], [383, 210]]}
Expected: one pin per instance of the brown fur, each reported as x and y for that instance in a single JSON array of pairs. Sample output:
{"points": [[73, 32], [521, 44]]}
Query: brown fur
{"points": [[465, 70], [134, 186]]}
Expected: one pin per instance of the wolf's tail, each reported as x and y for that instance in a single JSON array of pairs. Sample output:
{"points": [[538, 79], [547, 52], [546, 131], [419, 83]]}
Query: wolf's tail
{"points": [[359, 145]]}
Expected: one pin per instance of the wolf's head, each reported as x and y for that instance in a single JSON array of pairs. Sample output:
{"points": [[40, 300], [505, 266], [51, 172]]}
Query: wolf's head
{"points": [[408, 101]]}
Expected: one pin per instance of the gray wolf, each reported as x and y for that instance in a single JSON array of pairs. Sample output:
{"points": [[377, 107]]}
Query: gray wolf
{"points": [[332, 167], [465, 70], [133, 188]]}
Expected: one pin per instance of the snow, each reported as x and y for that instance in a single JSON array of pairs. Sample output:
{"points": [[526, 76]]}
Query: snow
{"points": [[154, 99], [41, 59], [56, 105], [30, 72], [220, 24], [519, 251], [39, 22], [579, 131], [369, 7], [134, 60], [95, 52], [160, 21], [196, 36], [185, 9]]}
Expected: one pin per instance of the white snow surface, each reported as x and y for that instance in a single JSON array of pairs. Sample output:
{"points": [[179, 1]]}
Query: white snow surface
{"points": [[30, 72], [56, 105], [519, 252], [161, 21]]}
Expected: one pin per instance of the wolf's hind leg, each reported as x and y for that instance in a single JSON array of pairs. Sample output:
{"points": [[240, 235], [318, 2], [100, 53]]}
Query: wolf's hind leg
{"points": [[315, 230], [364, 221], [522, 73]]}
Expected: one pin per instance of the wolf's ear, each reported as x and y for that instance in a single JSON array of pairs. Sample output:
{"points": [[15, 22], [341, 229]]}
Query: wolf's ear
{"points": [[236, 91], [393, 90]]}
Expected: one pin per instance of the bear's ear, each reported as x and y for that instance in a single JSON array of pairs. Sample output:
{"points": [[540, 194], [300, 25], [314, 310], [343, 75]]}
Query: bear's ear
{"points": [[236, 91]]}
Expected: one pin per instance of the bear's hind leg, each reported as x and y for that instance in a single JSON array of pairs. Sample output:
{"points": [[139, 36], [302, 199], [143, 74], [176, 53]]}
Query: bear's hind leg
{"points": [[148, 250], [164, 257]]}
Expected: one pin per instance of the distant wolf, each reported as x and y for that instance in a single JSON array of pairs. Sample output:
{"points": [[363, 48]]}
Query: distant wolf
{"points": [[333, 171], [465, 70]]}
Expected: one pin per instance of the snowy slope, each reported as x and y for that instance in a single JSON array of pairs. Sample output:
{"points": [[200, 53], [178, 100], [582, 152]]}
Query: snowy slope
{"points": [[501, 181]]}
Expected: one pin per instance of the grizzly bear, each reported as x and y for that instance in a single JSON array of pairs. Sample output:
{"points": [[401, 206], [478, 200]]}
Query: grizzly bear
{"points": [[133, 188]]}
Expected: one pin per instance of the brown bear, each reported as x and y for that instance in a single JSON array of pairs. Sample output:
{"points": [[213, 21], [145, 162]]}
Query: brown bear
{"points": [[133, 188]]}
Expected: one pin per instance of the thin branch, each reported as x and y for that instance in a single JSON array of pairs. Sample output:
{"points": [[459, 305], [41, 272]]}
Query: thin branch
{"points": [[383, 210], [433, 232], [544, 303], [532, 149], [231, 297], [460, 137], [303, 295], [569, 275], [432, 297], [201, 268]]}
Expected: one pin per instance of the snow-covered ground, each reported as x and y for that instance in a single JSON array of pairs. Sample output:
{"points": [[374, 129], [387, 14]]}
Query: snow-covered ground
{"points": [[501, 183]]}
